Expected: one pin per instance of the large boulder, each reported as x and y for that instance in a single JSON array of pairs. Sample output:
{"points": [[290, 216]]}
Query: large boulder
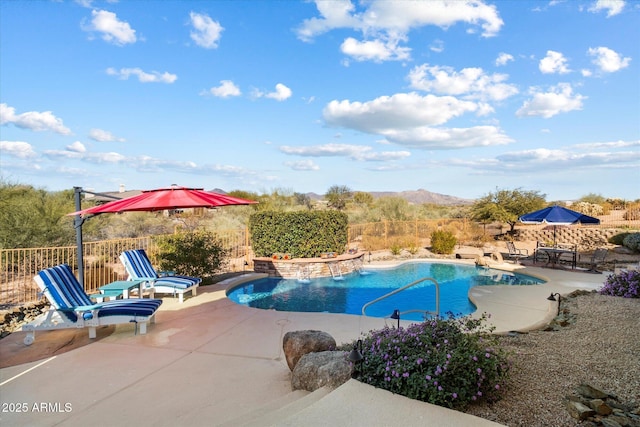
{"points": [[316, 370], [298, 343]]}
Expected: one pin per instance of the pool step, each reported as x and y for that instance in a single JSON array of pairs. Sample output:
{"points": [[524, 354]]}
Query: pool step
{"points": [[279, 409]]}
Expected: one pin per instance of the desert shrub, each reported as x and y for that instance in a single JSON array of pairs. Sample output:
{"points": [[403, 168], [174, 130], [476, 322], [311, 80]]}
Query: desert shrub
{"points": [[443, 242], [625, 284], [448, 362], [633, 212], [198, 254], [618, 238], [632, 241], [395, 249]]}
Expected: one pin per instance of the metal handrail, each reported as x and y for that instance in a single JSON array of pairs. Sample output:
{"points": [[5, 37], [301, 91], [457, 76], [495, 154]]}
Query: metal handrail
{"points": [[395, 291]]}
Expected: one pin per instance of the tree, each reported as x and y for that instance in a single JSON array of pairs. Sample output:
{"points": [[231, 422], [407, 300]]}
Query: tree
{"points": [[337, 196], [303, 200], [393, 208], [362, 198], [507, 206], [31, 217]]}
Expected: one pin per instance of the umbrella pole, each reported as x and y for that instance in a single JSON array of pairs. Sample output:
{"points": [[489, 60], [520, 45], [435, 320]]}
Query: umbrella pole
{"points": [[77, 223]]}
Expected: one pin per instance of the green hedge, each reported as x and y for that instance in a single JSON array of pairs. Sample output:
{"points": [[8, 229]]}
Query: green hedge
{"points": [[302, 234]]}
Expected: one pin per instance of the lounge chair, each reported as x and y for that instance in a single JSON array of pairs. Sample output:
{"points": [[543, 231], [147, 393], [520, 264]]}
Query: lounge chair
{"points": [[515, 253], [138, 267], [71, 307], [597, 258]]}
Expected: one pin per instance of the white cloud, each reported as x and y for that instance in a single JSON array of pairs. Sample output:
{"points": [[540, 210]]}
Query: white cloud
{"points": [[442, 138], [226, 89], [402, 110], [437, 46], [19, 149], [607, 60], [33, 120], [384, 23], [588, 156], [303, 165], [472, 82], [281, 93], [143, 77], [503, 59], [95, 158], [400, 16], [104, 136], [553, 63], [113, 30], [559, 99], [374, 50], [77, 147], [613, 7], [206, 31], [353, 152]]}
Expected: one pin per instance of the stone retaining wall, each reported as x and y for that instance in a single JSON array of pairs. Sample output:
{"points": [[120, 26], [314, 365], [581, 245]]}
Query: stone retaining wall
{"points": [[311, 267], [581, 236]]}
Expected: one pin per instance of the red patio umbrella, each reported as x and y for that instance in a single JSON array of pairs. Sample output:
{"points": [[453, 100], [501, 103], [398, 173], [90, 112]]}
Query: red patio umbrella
{"points": [[173, 197]]}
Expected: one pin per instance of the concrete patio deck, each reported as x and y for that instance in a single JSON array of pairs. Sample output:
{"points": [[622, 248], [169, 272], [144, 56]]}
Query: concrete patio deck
{"points": [[212, 362]]}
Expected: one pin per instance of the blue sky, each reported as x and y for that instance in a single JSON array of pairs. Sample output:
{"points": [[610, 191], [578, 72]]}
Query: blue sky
{"points": [[453, 97]]}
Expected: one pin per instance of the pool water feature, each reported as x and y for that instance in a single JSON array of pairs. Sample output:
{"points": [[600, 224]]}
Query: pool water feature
{"points": [[357, 289]]}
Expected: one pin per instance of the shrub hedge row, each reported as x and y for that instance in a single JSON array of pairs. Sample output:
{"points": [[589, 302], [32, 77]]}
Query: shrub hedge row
{"points": [[302, 234]]}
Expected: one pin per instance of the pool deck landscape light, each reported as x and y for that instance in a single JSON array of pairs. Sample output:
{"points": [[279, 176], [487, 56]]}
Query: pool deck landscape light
{"points": [[552, 298], [356, 357], [396, 315]]}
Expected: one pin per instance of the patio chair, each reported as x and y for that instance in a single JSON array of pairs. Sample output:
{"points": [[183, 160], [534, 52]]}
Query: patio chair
{"points": [[597, 258], [71, 307], [515, 253], [138, 267]]}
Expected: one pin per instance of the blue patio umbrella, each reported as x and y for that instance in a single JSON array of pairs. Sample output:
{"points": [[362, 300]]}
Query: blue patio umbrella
{"points": [[557, 215]]}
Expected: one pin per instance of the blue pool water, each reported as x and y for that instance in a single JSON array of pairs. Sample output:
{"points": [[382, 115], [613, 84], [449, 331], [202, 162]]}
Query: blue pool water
{"points": [[351, 294]]}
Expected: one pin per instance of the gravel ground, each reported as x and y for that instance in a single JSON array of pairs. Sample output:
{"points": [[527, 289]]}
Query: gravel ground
{"points": [[600, 347]]}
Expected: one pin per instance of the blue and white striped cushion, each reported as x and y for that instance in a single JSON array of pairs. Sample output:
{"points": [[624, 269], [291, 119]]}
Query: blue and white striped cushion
{"points": [[139, 266], [178, 282], [129, 307], [66, 294], [64, 288]]}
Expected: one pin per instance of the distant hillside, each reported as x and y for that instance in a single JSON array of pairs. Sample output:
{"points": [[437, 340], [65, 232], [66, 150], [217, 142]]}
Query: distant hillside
{"points": [[417, 197]]}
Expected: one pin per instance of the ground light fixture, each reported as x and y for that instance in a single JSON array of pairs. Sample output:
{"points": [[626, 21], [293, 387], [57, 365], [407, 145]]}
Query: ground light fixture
{"points": [[396, 315], [552, 298], [356, 357]]}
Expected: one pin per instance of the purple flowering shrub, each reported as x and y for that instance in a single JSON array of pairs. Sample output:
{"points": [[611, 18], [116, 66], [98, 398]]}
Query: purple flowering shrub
{"points": [[625, 284], [448, 362]]}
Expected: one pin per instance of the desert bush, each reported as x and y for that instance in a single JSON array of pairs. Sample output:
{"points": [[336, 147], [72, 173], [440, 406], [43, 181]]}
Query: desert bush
{"points": [[625, 284], [448, 362], [632, 241], [633, 212], [395, 249], [198, 254], [443, 242], [618, 238]]}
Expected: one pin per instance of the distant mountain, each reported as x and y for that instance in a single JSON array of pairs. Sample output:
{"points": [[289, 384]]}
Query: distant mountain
{"points": [[421, 196], [416, 197]]}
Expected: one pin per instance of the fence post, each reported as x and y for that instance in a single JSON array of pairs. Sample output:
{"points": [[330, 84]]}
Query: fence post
{"points": [[77, 223]]}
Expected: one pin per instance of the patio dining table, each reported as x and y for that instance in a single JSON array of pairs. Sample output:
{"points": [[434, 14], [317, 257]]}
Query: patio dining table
{"points": [[554, 254]]}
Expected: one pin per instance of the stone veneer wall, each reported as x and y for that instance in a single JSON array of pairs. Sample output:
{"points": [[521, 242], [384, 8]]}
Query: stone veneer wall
{"points": [[289, 269], [569, 235]]}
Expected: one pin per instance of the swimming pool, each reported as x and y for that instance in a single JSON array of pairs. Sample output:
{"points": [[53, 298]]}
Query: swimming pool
{"points": [[357, 289]]}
